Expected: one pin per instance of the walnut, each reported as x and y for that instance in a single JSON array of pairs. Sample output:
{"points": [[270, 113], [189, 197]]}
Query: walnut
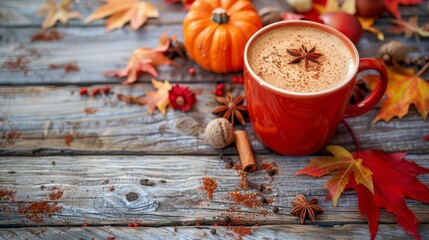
{"points": [[219, 133], [393, 51], [301, 6]]}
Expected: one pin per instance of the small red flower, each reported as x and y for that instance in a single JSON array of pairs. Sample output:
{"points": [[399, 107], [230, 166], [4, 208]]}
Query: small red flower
{"points": [[181, 98]]}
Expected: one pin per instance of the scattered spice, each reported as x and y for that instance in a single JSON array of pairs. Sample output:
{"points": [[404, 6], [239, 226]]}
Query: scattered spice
{"points": [[51, 35], [68, 139], [19, 64], [228, 160], [146, 182], [90, 110], [36, 211], [7, 195], [10, 137], [263, 200], [249, 200], [303, 54], [209, 185], [112, 188], [53, 163], [213, 231], [306, 209], [242, 231], [227, 219], [131, 196], [111, 238], [231, 108], [68, 67]]}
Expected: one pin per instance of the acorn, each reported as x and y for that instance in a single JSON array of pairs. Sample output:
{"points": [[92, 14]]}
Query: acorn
{"points": [[219, 133]]}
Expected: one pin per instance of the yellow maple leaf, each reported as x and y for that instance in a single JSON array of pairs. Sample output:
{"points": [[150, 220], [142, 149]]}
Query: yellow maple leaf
{"points": [[345, 166], [367, 23], [54, 13], [348, 6], [122, 11], [159, 98], [405, 87]]}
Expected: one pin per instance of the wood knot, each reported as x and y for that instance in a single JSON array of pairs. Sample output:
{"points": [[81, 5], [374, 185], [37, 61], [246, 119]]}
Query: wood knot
{"points": [[131, 196]]}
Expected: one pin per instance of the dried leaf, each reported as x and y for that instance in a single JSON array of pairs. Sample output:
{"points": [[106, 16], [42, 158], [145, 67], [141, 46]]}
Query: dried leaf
{"points": [[55, 13], [367, 23], [409, 28], [345, 164], [392, 5], [348, 6], [157, 99], [404, 88], [186, 3], [122, 11], [143, 60]]}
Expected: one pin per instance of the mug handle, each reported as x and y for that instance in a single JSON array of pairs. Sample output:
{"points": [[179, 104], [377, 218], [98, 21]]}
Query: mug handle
{"points": [[372, 99]]}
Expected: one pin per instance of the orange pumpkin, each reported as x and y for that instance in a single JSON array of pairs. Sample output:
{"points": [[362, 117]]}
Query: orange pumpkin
{"points": [[216, 32]]}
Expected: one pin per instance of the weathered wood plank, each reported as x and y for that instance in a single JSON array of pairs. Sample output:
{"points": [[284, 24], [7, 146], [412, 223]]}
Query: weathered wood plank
{"points": [[95, 51], [175, 197], [295, 231], [45, 115]]}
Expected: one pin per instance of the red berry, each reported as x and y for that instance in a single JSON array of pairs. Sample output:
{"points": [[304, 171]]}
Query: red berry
{"points": [[241, 80], [234, 79], [130, 225], [220, 86], [191, 71], [136, 224], [95, 92], [83, 91], [219, 92], [85, 225], [106, 90]]}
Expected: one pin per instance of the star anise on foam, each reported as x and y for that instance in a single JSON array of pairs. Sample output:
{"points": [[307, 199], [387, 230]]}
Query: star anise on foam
{"points": [[305, 209], [231, 108], [303, 54]]}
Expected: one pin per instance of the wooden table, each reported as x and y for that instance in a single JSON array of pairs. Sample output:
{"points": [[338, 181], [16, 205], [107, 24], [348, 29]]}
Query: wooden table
{"points": [[121, 149]]}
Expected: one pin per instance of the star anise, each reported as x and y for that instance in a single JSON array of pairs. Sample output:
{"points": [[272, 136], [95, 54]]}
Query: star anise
{"points": [[231, 108], [176, 49], [305, 209], [303, 54]]}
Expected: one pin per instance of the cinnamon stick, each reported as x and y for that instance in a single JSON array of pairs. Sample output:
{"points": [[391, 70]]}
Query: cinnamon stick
{"points": [[245, 151]]}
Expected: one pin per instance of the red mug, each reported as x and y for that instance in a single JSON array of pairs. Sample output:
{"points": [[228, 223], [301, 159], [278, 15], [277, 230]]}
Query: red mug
{"points": [[292, 123]]}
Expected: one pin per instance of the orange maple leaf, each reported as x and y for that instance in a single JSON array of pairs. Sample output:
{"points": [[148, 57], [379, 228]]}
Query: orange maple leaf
{"points": [[367, 23], [144, 60], [404, 88], [345, 165], [122, 11], [55, 13], [157, 99]]}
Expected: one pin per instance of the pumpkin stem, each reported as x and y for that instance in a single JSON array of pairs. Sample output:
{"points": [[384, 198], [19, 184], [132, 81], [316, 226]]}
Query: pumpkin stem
{"points": [[219, 16]]}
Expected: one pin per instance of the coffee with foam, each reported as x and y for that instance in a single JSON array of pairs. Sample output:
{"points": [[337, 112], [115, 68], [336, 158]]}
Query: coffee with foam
{"points": [[269, 58]]}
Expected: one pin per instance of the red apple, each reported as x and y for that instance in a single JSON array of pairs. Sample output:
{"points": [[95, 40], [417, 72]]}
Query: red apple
{"points": [[347, 24], [370, 8]]}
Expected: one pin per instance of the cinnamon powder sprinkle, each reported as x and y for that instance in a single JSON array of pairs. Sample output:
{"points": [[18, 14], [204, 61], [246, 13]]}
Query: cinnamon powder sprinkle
{"points": [[242, 231], [249, 200], [209, 185], [68, 67], [7, 195], [68, 139], [36, 211], [52, 35], [89, 110]]}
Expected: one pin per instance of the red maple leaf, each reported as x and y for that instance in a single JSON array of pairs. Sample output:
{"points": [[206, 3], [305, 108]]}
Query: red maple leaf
{"points": [[392, 5], [426, 137], [394, 179]]}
